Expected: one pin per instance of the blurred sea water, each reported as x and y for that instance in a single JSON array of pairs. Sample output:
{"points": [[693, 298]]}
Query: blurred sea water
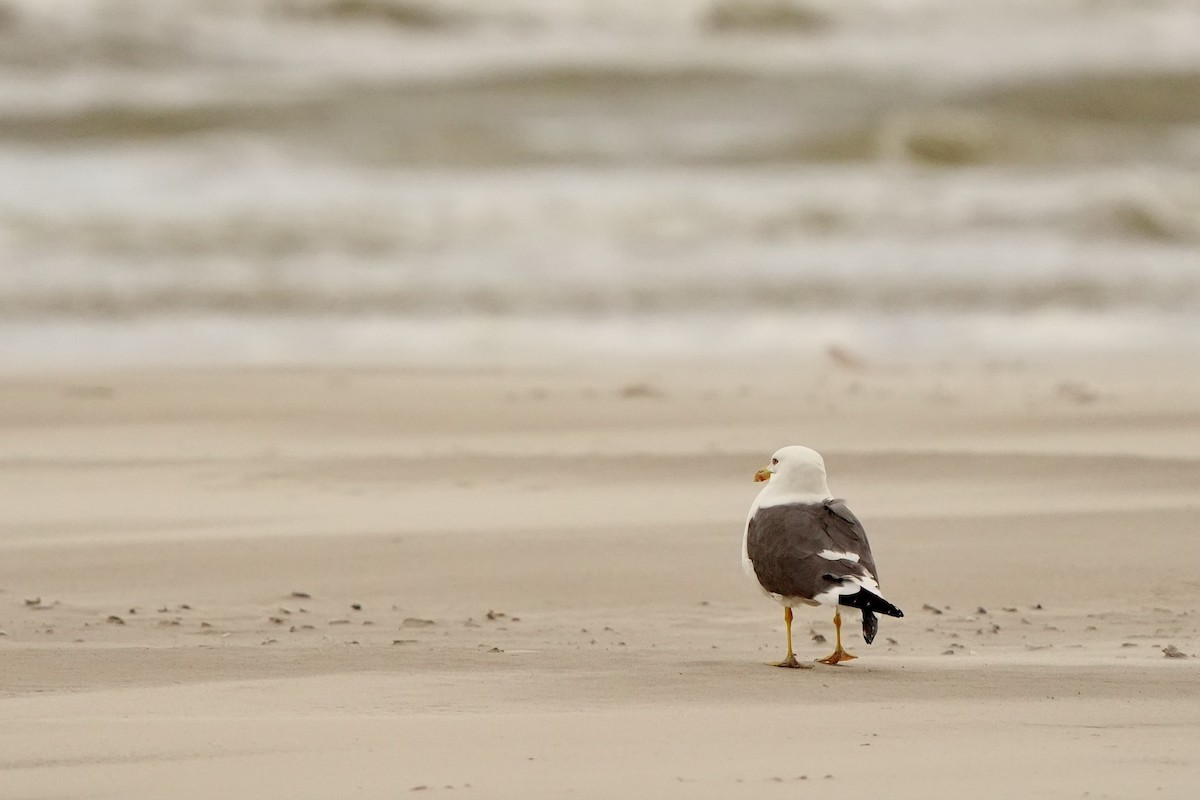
{"points": [[539, 181]]}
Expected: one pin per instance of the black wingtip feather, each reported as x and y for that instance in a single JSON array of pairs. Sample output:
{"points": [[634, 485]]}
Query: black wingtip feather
{"points": [[869, 601], [870, 626]]}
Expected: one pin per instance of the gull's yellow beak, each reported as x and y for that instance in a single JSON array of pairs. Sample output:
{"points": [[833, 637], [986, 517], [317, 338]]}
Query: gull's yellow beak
{"points": [[763, 474]]}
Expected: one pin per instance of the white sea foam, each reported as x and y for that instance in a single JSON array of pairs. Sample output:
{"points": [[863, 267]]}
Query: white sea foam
{"points": [[523, 180]]}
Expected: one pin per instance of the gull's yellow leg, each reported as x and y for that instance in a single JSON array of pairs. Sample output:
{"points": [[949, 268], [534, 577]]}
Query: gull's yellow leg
{"points": [[790, 661], [838, 653]]}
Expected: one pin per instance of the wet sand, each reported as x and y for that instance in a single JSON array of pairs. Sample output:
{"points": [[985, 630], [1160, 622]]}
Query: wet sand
{"points": [[549, 596]]}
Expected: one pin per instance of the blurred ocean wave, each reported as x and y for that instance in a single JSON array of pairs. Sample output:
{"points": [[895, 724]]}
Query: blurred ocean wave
{"points": [[484, 178], [632, 116]]}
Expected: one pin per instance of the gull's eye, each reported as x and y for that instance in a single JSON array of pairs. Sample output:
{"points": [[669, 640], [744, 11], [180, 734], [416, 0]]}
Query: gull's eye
{"points": [[774, 461]]}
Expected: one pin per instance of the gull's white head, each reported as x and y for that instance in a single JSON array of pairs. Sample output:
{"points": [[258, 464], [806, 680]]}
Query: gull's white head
{"points": [[796, 470]]}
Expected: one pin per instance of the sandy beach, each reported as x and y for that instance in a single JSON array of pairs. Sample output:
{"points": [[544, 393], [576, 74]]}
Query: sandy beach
{"points": [[382, 384], [335, 583]]}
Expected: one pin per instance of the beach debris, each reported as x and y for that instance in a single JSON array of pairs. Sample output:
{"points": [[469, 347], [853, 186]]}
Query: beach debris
{"points": [[404, 641], [1171, 651], [495, 614], [416, 622], [356, 606], [1037, 606], [1077, 392], [844, 358], [818, 638], [205, 624], [639, 390], [418, 788], [339, 622], [1128, 644], [301, 595], [164, 610], [1011, 609], [271, 641], [931, 609], [889, 640], [276, 620], [184, 607], [981, 610], [33, 601], [947, 652], [113, 619], [168, 623], [495, 650]]}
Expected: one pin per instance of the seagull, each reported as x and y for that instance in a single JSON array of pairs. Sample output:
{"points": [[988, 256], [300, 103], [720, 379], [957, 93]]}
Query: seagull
{"points": [[805, 547]]}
